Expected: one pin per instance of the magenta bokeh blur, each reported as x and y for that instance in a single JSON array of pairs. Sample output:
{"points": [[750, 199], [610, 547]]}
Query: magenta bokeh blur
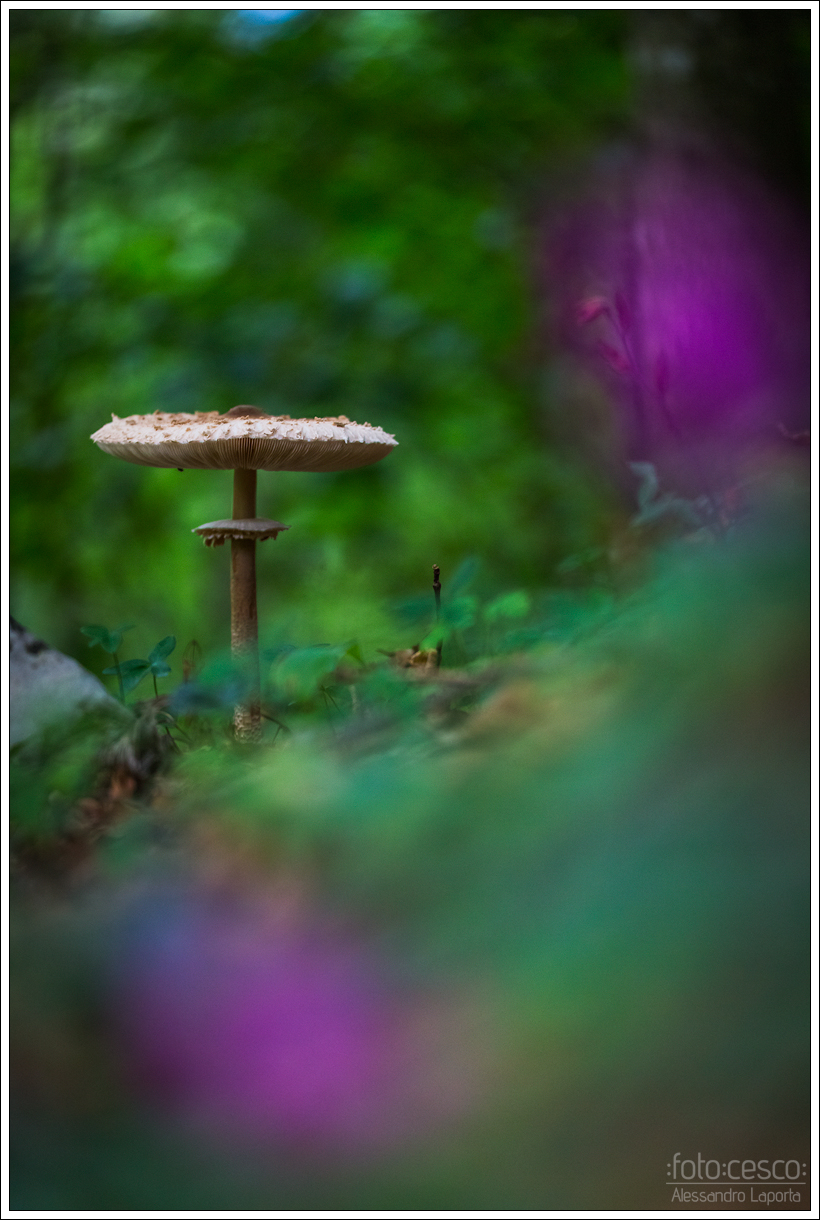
{"points": [[241, 1028], [683, 283]]}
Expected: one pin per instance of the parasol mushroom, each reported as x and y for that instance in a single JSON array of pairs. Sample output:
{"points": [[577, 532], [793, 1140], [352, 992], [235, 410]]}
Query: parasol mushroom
{"points": [[244, 440]]}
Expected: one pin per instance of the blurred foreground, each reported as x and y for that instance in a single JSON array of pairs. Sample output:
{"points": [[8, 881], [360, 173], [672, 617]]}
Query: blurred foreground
{"points": [[503, 935]]}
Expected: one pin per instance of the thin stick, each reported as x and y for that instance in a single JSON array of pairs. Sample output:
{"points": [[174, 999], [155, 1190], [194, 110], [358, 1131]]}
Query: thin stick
{"points": [[437, 592], [244, 622]]}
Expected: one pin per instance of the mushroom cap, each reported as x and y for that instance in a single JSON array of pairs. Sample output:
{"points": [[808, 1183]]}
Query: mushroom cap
{"points": [[244, 438], [244, 529]]}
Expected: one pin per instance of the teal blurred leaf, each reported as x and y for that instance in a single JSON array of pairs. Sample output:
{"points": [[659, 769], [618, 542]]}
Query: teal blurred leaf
{"points": [[412, 610], [458, 613], [461, 579], [508, 605], [300, 673], [581, 559], [655, 507], [648, 485]]}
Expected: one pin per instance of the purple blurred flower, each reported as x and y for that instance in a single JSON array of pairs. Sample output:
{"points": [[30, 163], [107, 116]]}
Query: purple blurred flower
{"points": [[684, 284], [241, 1028]]}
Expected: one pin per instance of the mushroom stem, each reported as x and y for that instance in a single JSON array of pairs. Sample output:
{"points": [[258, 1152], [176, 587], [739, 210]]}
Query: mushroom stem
{"points": [[244, 625]]}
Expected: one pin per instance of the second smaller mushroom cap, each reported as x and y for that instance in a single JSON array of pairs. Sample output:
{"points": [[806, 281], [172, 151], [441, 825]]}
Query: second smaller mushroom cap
{"points": [[243, 529]]}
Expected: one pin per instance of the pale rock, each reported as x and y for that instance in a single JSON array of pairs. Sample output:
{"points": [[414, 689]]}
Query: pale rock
{"points": [[46, 687]]}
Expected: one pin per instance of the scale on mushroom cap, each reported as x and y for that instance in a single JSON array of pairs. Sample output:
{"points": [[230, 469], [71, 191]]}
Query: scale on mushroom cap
{"points": [[244, 440]]}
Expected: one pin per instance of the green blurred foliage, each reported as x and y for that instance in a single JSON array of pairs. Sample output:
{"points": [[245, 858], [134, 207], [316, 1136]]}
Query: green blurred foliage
{"points": [[329, 214], [601, 863], [49, 775]]}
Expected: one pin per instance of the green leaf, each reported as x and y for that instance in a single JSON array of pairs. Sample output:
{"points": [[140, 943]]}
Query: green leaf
{"points": [[131, 672], [433, 638], [109, 641], [160, 670], [127, 667], [132, 680], [163, 649], [355, 652]]}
